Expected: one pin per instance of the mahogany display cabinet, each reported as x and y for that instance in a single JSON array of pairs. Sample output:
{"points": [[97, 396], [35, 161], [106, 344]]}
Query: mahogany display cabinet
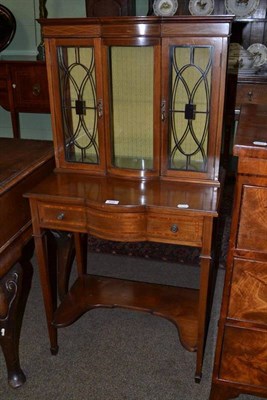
{"points": [[137, 110]]}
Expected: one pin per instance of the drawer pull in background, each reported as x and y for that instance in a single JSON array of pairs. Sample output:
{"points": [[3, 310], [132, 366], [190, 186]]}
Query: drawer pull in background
{"points": [[250, 96], [36, 89], [60, 216], [174, 228]]}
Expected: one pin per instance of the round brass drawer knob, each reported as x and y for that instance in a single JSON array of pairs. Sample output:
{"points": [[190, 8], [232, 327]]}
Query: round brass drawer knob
{"points": [[174, 228], [60, 216]]}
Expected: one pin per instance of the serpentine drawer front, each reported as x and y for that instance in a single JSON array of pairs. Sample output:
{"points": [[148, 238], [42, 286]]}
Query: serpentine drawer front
{"points": [[122, 225]]}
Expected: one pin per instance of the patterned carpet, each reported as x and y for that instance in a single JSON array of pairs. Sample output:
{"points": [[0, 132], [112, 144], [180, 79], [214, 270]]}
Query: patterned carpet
{"points": [[169, 252]]}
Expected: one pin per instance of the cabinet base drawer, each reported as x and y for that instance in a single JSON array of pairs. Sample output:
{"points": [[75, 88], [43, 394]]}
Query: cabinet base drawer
{"points": [[56, 216], [244, 356], [248, 297], [252, 230], [172, 228]]}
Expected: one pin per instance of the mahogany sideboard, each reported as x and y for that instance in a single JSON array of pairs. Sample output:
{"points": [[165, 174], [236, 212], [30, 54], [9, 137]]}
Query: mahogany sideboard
{"points": [[23, 88], [22, 164], [241, 351]]}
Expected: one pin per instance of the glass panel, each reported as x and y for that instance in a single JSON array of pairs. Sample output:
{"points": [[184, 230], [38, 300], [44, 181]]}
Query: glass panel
{"points": [[189, 107], [131, 89], [79, 108]]}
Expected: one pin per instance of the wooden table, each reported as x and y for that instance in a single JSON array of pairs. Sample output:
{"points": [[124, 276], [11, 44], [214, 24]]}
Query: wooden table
{"points": [[22, 164], [241, 351]]}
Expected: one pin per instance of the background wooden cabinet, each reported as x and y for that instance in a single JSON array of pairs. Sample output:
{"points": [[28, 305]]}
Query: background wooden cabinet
{"points": [[100, 8], [241, 352], [23, 88]]}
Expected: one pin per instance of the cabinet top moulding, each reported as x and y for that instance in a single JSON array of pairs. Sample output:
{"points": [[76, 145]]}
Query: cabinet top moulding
{"points": [[138, 26]]}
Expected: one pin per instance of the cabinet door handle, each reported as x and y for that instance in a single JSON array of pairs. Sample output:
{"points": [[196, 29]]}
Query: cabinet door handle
{"points": [[100, 108], [36, 90], [60, 216], [174, 228], [14, 85], [163, 110]]}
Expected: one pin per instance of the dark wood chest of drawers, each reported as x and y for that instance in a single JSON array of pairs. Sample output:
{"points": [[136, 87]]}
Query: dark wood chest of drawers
{"points": [[241, 353]]}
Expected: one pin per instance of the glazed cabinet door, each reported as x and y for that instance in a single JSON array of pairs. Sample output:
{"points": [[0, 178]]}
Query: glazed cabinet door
{"points": [[191, 107], [77, 113], [132, 86]]}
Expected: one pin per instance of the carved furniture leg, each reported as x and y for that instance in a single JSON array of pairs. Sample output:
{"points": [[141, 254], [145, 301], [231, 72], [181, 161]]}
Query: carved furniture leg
{"points": [[65, 257], [69, 245], [55, 255], [14, 291]]}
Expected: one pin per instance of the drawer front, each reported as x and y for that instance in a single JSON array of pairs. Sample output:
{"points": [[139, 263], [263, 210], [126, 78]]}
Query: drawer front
{"points": [[173, 228], [251, 93], [121, 226], [252, 232], [30, 87], [56, 216], [244, 357], [248, 297]]}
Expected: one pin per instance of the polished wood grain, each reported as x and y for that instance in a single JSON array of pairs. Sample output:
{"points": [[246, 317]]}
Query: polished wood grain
{"points": [[244, 355], [23, 163], [253, 215], [179, 305], [241, 351], [248, 297]]}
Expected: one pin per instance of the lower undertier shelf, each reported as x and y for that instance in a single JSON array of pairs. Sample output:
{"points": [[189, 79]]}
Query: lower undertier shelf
{"points": [[179, 305]]}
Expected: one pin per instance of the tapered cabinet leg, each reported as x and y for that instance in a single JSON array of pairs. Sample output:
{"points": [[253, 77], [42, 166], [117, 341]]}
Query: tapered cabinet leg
{"points": [[204, 296], [46, 258]]}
